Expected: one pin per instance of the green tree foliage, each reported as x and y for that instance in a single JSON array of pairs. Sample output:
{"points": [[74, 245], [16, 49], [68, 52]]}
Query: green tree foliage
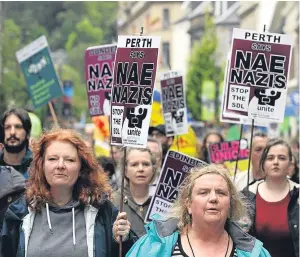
{"points": [[13, 86], [71, 26], [202, 67]]}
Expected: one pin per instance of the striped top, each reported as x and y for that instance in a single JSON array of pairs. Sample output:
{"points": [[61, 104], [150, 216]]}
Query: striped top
{"points": [[179, 252]]}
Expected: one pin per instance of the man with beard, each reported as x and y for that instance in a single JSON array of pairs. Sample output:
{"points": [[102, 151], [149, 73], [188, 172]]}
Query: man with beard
{"points": [[159, 133], [16, 127]]}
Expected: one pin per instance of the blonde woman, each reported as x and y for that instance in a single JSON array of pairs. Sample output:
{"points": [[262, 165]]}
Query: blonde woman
{"points": [[202, 222], [139, 174]]}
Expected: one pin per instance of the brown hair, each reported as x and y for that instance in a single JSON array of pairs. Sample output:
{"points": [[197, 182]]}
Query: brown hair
{"points": [[92, 182], [271, 143], [180, 210]]}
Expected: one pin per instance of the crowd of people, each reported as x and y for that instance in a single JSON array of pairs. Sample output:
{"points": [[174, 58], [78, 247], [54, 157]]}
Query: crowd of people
{"points": [[58, 199]]}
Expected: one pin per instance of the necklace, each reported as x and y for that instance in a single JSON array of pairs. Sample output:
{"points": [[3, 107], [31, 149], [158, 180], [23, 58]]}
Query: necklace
{"points": [[187, 235]]}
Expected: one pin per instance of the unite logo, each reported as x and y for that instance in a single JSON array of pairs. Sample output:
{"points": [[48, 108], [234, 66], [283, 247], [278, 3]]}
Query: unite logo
{"points": [[36, 68]]}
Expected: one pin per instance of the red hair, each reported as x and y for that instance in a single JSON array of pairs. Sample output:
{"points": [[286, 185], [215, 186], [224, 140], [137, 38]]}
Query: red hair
{"points": [[92, 182]]}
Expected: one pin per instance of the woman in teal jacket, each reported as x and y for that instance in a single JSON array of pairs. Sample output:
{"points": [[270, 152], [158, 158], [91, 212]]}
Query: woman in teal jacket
{"points": [[202, 222]]}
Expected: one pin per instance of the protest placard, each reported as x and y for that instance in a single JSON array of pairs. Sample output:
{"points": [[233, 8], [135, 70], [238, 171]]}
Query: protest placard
{"points": [[258, 75], [36, 63], [228, 152], [233, 117], [132, 92], [175, 168], [99, 64], [174, 103]]}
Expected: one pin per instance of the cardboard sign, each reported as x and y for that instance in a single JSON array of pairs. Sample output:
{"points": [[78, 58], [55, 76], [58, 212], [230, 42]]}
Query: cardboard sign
{"points": [[36, 63], [132, 92], [227, 153], [99, 64], [175, 169], [174, 104], [258, 75], [233, 118]]}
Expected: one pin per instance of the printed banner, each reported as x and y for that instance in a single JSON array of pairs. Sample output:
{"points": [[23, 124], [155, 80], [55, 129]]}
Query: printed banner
{"points": [[258, 75], [228, 152], [132, 92], [174, 104], [234, 118], [176, 167], [42, 81], [99, 65]]}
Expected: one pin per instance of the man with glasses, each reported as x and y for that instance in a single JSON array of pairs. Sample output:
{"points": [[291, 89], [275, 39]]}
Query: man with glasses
{"points": [[15, 134], [159, 133]]}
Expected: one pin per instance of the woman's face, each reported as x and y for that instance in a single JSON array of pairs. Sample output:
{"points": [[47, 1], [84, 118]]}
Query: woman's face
{"points": [[212, 139], [139, 169], [210, 200], [61, 164], [277, 162]]}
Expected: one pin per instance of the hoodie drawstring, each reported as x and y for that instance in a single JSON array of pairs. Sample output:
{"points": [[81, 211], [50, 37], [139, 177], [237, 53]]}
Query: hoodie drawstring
{"points": [[74, 236], [48, 217], [73, 219]]}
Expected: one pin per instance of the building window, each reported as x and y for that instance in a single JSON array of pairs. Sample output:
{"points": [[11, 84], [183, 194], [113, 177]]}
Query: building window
{"points": [[166, 54], [166, 18]]}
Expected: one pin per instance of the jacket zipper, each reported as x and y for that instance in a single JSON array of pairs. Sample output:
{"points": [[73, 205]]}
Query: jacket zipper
{"points": [[94, 247]]}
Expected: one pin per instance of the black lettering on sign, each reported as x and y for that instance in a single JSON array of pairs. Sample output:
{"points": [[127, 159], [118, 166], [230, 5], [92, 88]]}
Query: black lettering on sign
{"points": [[172, 92], [109, 82], [138, 42], [173, 105], [167, 192], [127, 75], [96, 72], [132, 95], [106, 70], [147, 71], [133, 74], [277, 63], [121, 73], [261, 79], [262, 37], [242, 61], [147, 95], [172, 177], [257, 72], [179, 90], [168, 189], [260, 62], [248, 77], [93, 71], [280, 81]]}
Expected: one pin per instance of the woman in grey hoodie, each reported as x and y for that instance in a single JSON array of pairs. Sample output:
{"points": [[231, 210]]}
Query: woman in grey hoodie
{"points": [[66, 209]]}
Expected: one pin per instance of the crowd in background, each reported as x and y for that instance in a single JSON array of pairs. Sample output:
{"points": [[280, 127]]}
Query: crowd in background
{"points": [[38, 163]]}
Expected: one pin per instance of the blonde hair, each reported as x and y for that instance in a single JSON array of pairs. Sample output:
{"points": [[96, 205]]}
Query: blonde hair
{"points": [[180, 209], [124, 161]]}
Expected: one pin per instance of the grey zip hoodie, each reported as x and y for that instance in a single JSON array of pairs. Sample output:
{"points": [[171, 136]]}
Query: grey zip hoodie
{"points": [[59, 232]]}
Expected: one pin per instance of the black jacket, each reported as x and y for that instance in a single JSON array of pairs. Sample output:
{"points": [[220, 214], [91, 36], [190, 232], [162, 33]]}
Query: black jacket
{"points": [[12, 186], [13, 240]]}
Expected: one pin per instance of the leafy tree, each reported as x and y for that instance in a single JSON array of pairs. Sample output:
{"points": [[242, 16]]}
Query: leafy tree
{"points": [[202, 67], [13, 88], [69, 26]]}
